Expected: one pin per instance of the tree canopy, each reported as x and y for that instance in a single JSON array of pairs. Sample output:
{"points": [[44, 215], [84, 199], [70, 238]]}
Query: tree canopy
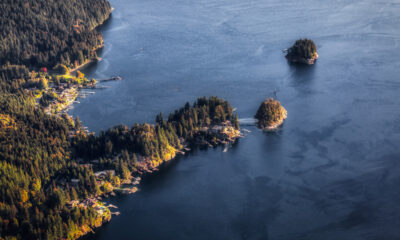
{"points": [[36, 167], [303, 48], [43, 33]]}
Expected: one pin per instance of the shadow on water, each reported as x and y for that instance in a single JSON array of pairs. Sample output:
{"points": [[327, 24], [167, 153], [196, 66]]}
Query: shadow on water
{"points": [[272, 140], [162, 173], [301, 73], [107, 23], [91, 68], [235, 145], [165, 168]]}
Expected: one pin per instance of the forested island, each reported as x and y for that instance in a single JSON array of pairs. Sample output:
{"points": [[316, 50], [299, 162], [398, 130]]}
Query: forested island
{"points": [[303, 51], [270, 115]]}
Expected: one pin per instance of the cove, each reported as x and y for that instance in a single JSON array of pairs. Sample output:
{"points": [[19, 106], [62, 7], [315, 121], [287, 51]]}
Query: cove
{"points": [[330, 172]]}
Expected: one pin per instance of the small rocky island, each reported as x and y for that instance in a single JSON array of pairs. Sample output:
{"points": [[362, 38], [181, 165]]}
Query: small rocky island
{"points": [[270, 115], [303, 51]]}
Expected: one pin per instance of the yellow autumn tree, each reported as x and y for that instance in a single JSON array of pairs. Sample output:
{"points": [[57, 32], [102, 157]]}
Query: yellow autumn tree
{"points": [[79, 74], [23, 195]]}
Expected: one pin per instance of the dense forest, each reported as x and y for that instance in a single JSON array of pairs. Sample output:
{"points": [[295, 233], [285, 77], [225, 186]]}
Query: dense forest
{"points": [[35, 158], [43, 33], [270, 114], [303, 48], [207, 121], [35, 147]]}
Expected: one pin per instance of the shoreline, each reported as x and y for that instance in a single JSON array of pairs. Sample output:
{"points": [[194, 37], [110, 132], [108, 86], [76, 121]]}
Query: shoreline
{"points": [[97, 47], [75, 88], [146, 166], [85, 63], [224, 135], [273, 127], [89, 60], [69, 95]]}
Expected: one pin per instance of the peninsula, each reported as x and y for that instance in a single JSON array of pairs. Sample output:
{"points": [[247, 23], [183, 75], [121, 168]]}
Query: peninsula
{"points": [[142, 148], [303, 51]]}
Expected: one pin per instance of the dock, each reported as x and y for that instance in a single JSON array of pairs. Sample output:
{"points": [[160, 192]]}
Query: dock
{"points": [[115, 78]]}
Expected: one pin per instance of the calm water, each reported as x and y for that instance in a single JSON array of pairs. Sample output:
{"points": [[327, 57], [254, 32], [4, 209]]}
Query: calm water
{"points": [[331, 172]]}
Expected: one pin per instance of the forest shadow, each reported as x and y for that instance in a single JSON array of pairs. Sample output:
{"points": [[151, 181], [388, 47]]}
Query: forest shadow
{"points": [[302, 73]]}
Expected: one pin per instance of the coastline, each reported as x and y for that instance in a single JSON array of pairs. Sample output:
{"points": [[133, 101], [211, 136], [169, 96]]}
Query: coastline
{"points": [[68, 97], [72, 92], [274, 126], [97, 47], [86, 62], [89, 60], [146, 166], [223, 133]]}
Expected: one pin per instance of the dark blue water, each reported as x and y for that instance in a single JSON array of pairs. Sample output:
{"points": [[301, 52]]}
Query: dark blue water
{"points": [[331, 172]]}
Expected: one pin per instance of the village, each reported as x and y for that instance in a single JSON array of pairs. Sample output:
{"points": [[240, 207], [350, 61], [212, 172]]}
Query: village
{"points": [[223, 133]]}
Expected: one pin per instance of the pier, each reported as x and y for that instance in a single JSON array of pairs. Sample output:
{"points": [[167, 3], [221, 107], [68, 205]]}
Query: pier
{"points": [[115, 78]]}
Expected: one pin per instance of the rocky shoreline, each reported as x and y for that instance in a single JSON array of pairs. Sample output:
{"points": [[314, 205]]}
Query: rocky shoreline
{"points": [[308, 61], [274, 126]]}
